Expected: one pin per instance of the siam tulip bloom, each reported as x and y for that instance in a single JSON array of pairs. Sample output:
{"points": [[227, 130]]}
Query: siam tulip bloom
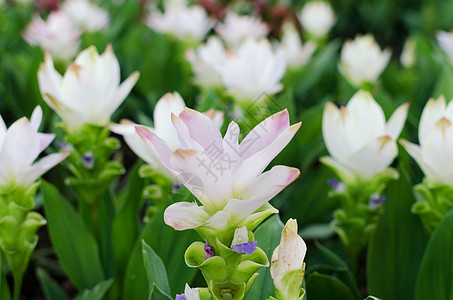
{"points": [[90, 90], [360, 142], [189, 294], [166, 106], [233, 187], [189, 23], [206, 61], [236, 29], [435, 134], [241, 243], [362, 60], [287, 263], [317, 18], [57, 35], [296, 54], [445, 40], [86, 15], [20, 146], [253, 70]]}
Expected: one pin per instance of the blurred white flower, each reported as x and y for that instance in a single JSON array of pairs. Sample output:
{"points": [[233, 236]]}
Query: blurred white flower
{"points": [[206, 61], [360, 142], [86, 15], [20, 146], [296, 55], [185, 22], [189, 294], [435, 134], [235, 29], [90, 90], [253, 70], [407, 57], [58, 35], [445, 40], [362, 60], [170, 103], [317, 18], [288, 263]]}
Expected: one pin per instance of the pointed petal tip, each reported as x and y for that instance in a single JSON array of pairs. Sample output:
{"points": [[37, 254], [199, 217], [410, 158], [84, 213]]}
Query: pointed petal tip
{"points": [[144, 132]]}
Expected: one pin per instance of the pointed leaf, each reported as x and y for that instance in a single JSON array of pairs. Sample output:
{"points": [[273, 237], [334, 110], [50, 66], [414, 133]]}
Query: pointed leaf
{"points": [[51, 289], [155, 269], [97, 292]]}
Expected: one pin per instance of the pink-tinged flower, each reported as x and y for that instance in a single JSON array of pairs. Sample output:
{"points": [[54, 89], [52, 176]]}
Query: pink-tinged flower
{"points": [[189, 23], [90, 90], [435, 134], [86, 15], [359, 140], [226, 176], [296, 54], [170, 103], [253, 70], [287, 263], [20, 146], [362, 60], [236, 29], [445, 40], [58, 35], [206, 61]]}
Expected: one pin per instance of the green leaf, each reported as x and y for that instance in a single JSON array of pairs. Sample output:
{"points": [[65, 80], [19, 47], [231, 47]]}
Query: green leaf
{"points": [[97, 292], [268, 236], [51, 289], [395, 251], [155, 270], [74, 243], [443, 85], [436, 269], [170, 245], [322, 286]]}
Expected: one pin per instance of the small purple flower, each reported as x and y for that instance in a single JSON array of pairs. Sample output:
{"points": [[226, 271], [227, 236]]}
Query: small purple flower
{"points": [[88, 160], [376, 200], [246, 248], [180, 297], [337, 186], [64, 146], [209, 251]]}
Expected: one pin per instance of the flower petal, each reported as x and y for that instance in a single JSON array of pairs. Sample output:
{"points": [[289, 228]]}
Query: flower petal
{"points": [[36, 117], [185, 215], [432, 113], [42, 166], [166, 106], [202, 129], [396, 121], [156, 144]]}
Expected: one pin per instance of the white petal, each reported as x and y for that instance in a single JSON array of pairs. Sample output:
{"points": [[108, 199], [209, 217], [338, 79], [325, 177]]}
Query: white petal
{"points": [[42, 166], [36, 117], [396, 121], [168, 104], [185, 215]]}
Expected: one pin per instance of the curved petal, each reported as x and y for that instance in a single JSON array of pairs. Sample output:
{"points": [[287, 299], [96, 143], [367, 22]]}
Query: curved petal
{"points": [[396, 121], [122, 92], [432, 113], [36, 117], [202, 129], [264, 134], [260, 191], [182, 133], [416, 153], [255, 164], [185, 215], [207, 174], [39, 168], [166, 106], [157, 145]]}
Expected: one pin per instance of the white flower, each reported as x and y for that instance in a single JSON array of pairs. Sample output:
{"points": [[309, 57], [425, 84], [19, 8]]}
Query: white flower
{"points": [[235, 29], [166, 106], [407, 57], [86, 15], [445, 40], [206, 61], [360, 142], [57, 34], [362, 60], [185, 22], [435, 134], [189, 294], [317, 18], [288, 262], [255, 69], [296, 55], [20, 146], [90, 90]]}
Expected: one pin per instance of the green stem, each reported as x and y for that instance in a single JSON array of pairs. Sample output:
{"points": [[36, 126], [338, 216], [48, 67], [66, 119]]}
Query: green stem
{"points": [[17, 286]]}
